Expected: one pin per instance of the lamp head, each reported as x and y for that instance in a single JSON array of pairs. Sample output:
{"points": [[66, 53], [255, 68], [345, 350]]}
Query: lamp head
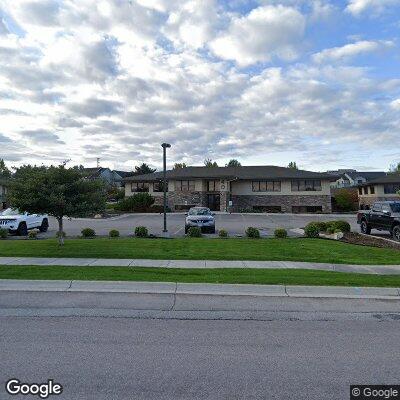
{"points": [[165, 145]]}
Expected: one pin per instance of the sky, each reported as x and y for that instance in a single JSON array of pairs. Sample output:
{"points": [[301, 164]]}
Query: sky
{"points": [[263, 81]]}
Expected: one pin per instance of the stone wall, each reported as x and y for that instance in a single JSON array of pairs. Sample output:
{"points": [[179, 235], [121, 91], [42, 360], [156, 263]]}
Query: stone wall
{"points": [[367, 202], [246, 202], [186, 198]]}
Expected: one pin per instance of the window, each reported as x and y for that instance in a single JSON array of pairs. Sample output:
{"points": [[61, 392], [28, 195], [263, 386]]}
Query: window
{"points": [[306, 209], [360, 191], [188, 186], [377, 207], [159, 186], [311, 185], [372, 189], [267, 209], [213, 186], [266, 186], [392, 188], [140, 187], [184, 207], [365, 189]]}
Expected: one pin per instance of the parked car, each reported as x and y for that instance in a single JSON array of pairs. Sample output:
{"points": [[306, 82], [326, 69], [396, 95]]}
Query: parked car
{"points": [[384, 216], [201, 217], [19, 223]]}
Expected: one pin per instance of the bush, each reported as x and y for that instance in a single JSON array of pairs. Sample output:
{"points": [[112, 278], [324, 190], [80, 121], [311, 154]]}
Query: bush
{"points": [[337, 231], [194, 231], [342, 226], [3, 233], [139, 202], [88, 233], [32, 234], [223, 233], [330, 230], [311, 230], [141, 231], [63, 234], [113, 233], [253, 233], [322, 226], [280, 233], [346, 199]]}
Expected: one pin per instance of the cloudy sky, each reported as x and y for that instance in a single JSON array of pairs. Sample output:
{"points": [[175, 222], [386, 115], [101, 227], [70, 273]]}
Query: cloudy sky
{"points": [[264, 81]]}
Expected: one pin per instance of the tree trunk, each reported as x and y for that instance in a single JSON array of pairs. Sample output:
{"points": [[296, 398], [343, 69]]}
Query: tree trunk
{"points": [[60, 231]]}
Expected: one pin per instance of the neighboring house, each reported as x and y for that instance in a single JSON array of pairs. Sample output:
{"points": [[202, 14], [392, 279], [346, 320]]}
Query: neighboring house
{"points": [[3, 194], [114, 178], [259, 188], [352, 178], [382, 189]]}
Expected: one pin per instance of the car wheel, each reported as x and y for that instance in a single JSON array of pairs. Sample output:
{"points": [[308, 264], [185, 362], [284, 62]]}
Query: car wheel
{"points": [[396, 233], [22, 229], [186, 230], [45, 225], [365, 228]]}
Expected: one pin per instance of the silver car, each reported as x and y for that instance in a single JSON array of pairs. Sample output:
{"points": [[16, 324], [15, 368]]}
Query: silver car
{"points": [[201, 217]]}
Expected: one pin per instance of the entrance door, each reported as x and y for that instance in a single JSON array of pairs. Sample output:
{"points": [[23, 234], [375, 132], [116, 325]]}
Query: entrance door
{"points": [[213, 202]]}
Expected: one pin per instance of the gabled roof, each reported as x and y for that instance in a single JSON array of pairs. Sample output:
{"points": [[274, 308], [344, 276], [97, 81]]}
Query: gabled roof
{"points": [[123, 174], [387, 179], [231, 173], [368, 176]]}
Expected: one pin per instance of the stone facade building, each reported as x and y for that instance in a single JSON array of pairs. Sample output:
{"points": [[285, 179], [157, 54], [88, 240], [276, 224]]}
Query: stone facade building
{"points": [[3, 194], [386, 188], [239, 189]]}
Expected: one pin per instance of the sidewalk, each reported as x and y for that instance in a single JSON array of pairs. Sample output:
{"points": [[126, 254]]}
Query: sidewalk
{"points": [[91, 262], [199, 289]]}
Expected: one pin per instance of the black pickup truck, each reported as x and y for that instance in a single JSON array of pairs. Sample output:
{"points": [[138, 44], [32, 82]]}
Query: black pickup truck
{"points": [[384, 216]]}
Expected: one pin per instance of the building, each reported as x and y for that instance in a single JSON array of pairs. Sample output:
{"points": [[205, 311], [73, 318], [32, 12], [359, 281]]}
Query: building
{"points": [[257, 188], [113, 178], [349, 178], [382, 189], [3, 194]]}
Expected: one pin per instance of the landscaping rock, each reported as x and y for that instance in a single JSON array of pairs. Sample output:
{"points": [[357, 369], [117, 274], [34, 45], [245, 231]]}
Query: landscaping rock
{"points": [[367, 240]]}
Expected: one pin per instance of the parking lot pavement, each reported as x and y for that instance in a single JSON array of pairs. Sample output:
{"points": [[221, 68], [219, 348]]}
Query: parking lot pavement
{"points": [[235, 224]]}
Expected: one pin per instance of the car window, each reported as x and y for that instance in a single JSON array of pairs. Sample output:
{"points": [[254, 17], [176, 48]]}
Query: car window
{"points": [[377, 207], [386, 207], [9, 211], [395, 207], [199, 211]]}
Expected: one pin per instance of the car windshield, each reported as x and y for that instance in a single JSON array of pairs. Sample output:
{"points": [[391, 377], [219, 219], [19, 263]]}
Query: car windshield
{"points": [[199, 211], [9, 211], [395, 207]]}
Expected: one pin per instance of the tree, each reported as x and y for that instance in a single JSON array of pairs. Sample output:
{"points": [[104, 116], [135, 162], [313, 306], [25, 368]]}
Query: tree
{"points": [[210, 163], [144, 169], [292, 165], [180, 165], [233, 163], [346, 199], [4, 171], [57, 191], [394, 169]]}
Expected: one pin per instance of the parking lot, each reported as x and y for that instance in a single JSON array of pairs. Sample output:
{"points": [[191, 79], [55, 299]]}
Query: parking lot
{"points": [[235, 224]]}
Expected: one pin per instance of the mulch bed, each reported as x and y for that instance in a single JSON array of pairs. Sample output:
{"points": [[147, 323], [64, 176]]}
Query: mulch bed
{"points": [[364, 240]]}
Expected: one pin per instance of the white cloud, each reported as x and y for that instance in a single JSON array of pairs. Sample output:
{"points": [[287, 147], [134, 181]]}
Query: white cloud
{"points": [[358, 7], [351, 50], [266, 32], [395, 104]]}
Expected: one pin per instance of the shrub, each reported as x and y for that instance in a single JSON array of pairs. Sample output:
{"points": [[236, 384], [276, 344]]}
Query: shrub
{"points": [[139, 202], [253, 233], [3, 233], [311, 230], [337, 231], [343, 226], [88, 233], [63, 234], [32, 234], [223, 233], [280, 233], [322, 226], [330, 230], [113, 233], [141, 231], [194, 231], [346, 199]]}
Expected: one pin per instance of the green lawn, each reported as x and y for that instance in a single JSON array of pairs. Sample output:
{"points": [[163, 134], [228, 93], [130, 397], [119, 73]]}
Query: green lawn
{"points": [[312, 250], [221, 275]]}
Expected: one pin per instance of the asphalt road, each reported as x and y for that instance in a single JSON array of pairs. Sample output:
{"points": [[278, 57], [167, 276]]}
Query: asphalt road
{"points": [[124, 358], [235, 224]]}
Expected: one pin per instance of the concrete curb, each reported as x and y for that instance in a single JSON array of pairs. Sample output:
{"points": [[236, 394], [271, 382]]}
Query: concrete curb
{"points": [[196, 289]]}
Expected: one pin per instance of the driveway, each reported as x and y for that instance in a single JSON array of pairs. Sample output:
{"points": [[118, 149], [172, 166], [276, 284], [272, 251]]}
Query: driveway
{"points": [[235, 224]]}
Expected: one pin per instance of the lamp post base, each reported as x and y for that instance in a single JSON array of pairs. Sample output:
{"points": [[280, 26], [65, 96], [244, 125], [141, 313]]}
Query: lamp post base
{"points": [[165, 234]]}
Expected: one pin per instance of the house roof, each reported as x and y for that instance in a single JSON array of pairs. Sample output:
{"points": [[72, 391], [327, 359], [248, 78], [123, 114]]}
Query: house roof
{"points": [[368, 176], [231, 173], [123, 174], [93, 172], [387, 179]]}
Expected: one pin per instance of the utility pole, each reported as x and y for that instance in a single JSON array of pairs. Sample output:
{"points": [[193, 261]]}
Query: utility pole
{"points": [[165, 146]]}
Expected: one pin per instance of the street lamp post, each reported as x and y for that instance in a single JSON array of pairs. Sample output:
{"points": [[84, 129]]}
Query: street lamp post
{"points": [[165, 146]]}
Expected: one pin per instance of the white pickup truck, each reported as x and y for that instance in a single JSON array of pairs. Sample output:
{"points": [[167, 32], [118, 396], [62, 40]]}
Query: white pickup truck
{"points": [[20, 223]]}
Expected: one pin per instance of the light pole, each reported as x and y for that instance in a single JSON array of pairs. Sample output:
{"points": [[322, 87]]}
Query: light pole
{"points": [[165, 146]]}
